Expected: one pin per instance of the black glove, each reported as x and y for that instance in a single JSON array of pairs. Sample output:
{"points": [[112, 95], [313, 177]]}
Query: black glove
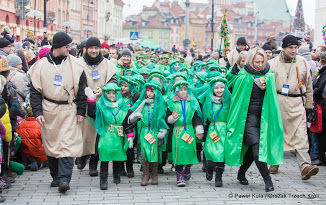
{"points": [[308, 111]]}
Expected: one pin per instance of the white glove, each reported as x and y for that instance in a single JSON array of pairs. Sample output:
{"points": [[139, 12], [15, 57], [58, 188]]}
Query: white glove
{"points": [[134, 117], [161, 134], [131, 142], [89, 93]]}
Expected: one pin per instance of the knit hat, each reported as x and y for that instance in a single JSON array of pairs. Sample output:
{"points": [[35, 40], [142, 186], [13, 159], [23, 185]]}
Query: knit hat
{"points": [[4, 42], [242, 41], [323, 56], [43, 51], [105, 45], [18, 45], [267, 47], [289, 40], [126, 52], [61, 39], [304, 49], [93, 41], [14, 60]]}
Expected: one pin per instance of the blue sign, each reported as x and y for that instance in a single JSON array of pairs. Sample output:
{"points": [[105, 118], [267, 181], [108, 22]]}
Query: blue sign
{"points": [[133, 35]]}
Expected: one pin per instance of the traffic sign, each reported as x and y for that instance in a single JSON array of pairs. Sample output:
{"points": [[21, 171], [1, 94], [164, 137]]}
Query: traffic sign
{"points": [[133, 35]]}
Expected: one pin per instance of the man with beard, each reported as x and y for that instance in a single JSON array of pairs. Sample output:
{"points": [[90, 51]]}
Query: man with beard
{"points": [[99, 71], [268, 50], [59, 105]]}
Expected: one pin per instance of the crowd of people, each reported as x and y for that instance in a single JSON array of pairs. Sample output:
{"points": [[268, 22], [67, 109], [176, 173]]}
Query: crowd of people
{"points": [[64, 104]]}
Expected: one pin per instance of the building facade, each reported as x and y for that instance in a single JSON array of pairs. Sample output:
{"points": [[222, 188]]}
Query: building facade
{"points": [[320, 19]]}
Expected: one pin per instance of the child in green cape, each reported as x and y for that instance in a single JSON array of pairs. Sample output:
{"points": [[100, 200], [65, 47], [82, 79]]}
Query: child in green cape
{"points": [[109, 113], [215, 111], [150, 110], [187, 125]]}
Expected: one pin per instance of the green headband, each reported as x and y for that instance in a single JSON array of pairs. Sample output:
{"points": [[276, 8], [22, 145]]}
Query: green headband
{"points": [[150, 84], [182, 82], [218, 79], [127, 80]]}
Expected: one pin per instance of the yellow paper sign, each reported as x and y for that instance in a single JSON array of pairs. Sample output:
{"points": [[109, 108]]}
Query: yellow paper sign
{"points": [[214, 137], [150, 139], [263, 82], [187, 138], [120, 131]]}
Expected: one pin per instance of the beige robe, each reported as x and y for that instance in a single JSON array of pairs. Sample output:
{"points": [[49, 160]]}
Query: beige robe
{"points": [[106, 70], [292, 109], [233, 57], [61, 134], [222, 62]]}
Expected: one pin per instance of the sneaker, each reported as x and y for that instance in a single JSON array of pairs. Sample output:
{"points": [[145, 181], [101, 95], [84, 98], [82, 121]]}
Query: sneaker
{"points": [[180, 179], [316, 162], [309, 172], [33, 167], [4, 184]]}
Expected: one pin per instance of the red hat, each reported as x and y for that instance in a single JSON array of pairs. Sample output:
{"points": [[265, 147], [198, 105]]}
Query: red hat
{"points": [[105, 45], [43, 51]]}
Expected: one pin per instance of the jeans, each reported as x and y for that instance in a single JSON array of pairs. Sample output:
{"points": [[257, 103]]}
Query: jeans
{"points": [[314, 144]]}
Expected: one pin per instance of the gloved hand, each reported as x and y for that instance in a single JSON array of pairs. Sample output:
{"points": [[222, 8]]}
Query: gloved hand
{"points": [[308, 111], [133, 118], [131, 142], [89, 93], [162, 133]]}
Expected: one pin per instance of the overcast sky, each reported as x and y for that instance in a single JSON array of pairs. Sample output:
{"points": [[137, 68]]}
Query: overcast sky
{"points": [[135, 6]]}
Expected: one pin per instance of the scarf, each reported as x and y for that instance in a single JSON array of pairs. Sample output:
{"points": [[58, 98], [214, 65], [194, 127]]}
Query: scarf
{"points": [[140, 108], [217, 100], [93, 61], [57, 60], [286, 58], [177, 95]]}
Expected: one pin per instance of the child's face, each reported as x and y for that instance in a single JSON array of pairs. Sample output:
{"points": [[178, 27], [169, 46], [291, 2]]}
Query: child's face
{"points": [[19, 66], [150, 94], [218, 90], [184, 91], [111, 96], [124, 88]]}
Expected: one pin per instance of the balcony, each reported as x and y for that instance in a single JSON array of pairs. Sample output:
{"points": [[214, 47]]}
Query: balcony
{"points": [[51, 15]]}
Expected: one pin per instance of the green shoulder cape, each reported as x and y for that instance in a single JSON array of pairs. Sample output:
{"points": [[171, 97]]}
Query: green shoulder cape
{"points": [[271, 130]]}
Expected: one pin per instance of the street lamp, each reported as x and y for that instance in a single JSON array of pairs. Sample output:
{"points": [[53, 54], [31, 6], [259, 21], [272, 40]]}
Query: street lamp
{"points": [[66, 25], [34, 15], [107, 18], [89, 2], [88, 29]]}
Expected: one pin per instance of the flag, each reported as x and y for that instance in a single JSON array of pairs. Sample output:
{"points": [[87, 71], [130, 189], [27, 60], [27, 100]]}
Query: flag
{"points": [[224, 33]]}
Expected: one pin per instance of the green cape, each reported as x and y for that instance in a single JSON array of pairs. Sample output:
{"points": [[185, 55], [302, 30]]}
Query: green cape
{"points": [[271, 130]]}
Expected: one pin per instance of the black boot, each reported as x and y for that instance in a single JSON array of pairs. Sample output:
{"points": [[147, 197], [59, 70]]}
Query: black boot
{"points": [[268, 185], [93, 171], [242, 176], [122, 169], [263, 169], [209, 172], [81, 162], [116, 171], [130, 170], [218, 176], [160, 169], [104, 180]]}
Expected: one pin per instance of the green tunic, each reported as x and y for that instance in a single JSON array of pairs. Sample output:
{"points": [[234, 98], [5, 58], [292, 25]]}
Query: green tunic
{"points": [[164, 67], [183, 152], [149, 151], [215, 151], [271, 128], [111, 146]]}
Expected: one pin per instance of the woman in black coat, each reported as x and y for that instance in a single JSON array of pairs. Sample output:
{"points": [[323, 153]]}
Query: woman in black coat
{"points": [[319, 86]]}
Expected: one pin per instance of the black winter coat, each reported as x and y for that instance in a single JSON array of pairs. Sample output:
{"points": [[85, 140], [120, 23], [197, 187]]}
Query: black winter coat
{"points": [[319, 86], [252, 128]]}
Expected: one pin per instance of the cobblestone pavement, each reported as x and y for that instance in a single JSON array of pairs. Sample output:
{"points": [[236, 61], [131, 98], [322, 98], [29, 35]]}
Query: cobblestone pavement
{"points": [[34, 188]]}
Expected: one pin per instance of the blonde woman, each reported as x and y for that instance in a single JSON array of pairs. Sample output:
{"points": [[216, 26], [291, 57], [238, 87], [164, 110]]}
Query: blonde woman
{"points": [[233, 72], [255, 131]]}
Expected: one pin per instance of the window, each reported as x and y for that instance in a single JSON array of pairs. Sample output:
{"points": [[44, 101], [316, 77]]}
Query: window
{"points": [[161, 34], [195, 39], [183, 28], [171, 39], [171, 21], [59, 17], [199, 39], [143, 23], [183, 37], [198, 47], [63, 16], [177, 39], [150, 34], [199, 30], [177, 30], [195, 30], [166, 34]]}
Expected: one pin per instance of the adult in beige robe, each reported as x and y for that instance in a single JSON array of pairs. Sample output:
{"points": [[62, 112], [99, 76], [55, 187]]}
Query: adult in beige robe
{"points": [[293, 70], [59, 104], [95, 64], [234, 54]]}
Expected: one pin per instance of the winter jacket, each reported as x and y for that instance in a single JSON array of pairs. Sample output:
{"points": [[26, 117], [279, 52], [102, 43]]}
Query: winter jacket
{"points": [[2, 131], [319, 86], [252, 128], [6, 122], [3, 53], [19, 81], [31, 145], [312, 63]]}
